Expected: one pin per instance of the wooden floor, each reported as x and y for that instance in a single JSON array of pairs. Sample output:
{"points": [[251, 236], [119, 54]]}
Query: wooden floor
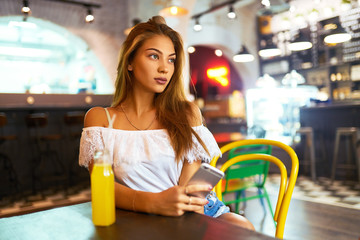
{"points": [[309, 221]]}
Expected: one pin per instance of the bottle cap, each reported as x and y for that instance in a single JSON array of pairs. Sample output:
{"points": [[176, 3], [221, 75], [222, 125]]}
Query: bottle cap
{"points": [[102, 157]]}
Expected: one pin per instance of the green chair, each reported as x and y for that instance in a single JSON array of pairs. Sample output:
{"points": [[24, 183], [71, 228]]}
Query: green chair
{"points": [[247, 174]]}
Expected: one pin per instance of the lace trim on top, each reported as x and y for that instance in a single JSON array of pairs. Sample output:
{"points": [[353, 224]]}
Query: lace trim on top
{"points": [[132, 147]]}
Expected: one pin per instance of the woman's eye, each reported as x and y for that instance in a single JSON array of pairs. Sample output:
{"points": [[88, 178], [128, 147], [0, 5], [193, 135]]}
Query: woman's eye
{"points": [[172, 60], [154, 56]]}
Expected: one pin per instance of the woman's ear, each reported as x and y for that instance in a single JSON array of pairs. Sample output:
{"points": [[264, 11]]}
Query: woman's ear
{"points": [[130, 68]]}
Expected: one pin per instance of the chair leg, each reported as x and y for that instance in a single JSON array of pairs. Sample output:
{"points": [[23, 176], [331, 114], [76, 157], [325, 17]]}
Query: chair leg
{"points": [[312, 157], [238, 195], [356, 156], [11, 174], [336, 151], [269, 204], [261, 199]]}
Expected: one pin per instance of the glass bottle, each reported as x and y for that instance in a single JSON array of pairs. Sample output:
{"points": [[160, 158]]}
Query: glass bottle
{"points": [[102, 190]]}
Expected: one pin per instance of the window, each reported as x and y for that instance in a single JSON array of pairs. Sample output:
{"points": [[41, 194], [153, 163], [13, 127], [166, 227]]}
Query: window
{"points": [[37, 56]]}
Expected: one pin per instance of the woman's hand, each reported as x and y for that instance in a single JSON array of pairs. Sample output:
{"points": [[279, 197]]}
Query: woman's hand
{"points": [[175, 201]]}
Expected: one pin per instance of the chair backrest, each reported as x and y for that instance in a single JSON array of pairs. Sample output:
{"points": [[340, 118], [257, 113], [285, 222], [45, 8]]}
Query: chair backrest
{"points": [[74, 122], [3, 122], [286, 184], [35, 120], [249, 168], [74, 118], [3, 119]]}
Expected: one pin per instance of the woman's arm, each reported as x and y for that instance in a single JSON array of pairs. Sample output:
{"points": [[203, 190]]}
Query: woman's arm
{"points": [[188, 171], [171, 202], [95, 117]]}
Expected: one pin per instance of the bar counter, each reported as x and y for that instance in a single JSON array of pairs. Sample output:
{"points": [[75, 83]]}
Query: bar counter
{"points": [[324, 119], [12, 101], [22, 152], [74, 222]]}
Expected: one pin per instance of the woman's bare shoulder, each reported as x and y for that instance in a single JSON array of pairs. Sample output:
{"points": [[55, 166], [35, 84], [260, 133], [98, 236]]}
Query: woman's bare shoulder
{"points": [[196, 116], [95, 117]]}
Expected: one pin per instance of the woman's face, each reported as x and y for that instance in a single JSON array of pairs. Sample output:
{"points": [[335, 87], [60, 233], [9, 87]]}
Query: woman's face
{"points": [[153, 64]]}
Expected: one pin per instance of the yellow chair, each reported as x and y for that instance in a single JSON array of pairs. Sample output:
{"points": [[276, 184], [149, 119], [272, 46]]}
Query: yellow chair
{"points": [[286, 184]]}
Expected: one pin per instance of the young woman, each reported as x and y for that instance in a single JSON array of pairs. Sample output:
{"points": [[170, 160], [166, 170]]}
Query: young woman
{"points": [[154, 135]]}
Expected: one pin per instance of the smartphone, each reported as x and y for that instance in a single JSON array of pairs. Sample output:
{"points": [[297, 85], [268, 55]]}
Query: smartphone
{"points": [[206, 174]]}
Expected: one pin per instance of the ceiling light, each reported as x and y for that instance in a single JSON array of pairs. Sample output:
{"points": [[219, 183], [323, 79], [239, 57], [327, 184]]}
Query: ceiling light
{"points": [[173, 9], [243, 55], [231, 14], [218, 52], [191, 49], [266, 3], [25, 9], [197, 26], [268, 48], [337, 38], [89, 17], [338, 35], [299, 46], [270, 51], [300, 43]]}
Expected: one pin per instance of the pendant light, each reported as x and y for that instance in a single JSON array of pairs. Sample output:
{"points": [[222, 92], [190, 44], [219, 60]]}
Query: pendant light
{"points": [[300, 43], [270, 50], [231, 14], [25, 9], [243, 55], [89, 15], [173, 8], [337, 34], [337, 37], [197, 27]]}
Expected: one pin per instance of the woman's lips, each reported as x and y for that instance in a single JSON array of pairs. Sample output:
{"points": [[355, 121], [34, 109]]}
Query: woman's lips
{"points": [[161, 81]]}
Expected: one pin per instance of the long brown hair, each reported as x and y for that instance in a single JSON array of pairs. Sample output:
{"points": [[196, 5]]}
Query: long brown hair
{"points": [[174, 111]]}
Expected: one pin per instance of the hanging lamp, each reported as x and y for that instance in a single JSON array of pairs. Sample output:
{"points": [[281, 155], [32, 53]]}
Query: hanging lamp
{"points": [[270, 50], [338, 35], [243, 55], [300, 43], [173, 8]]}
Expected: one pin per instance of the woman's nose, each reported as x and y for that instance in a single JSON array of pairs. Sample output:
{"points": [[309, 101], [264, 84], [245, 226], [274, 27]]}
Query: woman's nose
{"points": [[163, 69]]}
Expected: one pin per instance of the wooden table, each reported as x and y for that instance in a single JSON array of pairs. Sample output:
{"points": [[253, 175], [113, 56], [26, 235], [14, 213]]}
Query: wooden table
{"points": [[74, 222]]}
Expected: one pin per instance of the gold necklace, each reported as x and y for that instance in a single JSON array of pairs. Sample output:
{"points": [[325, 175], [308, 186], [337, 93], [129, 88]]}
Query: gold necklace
{"points": [[133, 124]]}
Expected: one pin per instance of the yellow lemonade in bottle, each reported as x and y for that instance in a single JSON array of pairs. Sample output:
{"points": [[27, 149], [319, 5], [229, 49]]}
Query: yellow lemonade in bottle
{"points": [[102, 192]]}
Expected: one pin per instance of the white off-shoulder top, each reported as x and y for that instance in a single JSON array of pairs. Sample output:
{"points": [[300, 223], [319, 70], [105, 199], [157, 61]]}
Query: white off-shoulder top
{"points": [[144, 160]]}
